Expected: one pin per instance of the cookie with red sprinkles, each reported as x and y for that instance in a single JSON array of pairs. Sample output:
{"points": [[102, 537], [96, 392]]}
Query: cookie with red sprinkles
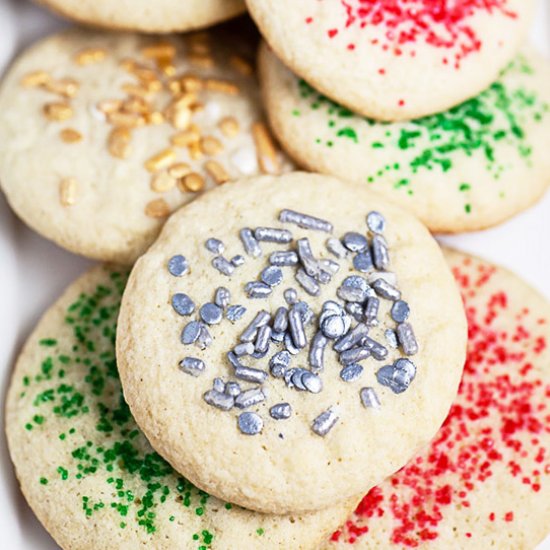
{"points": [[395, 59], [484, 481]]}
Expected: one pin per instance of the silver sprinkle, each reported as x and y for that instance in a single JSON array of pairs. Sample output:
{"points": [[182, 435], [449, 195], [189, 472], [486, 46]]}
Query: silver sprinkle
{"points": [[262, 318], [371, 311], [407, 339], [305, 311], [335, 326], [312, 382], [182, 304], [204, 339], [257, 289], [351, 294], [295, 376], [291, 296], [352, 338], [376, 222], [277, 337], [192, 366], [249, 398], [280, 411], [305, 221], [279, 363], [245, 348], [377, 350], [272, 276], [335, 246], [297, 328], [289, 344], [309, 284], [363, 262], [210, 313], [233, 389], [190, 332], [397, 377], [260, 354], [218, 385], [369, 398], [355, 242], [234, 360], [222, 297], [355, 310], [311, 265], [238, 260], [384, 289], [223, 266], [329, 266], [283, 258], [400, 311], [262, 339], [250, 374], [324, 422], [236, 312], [323, 277], [351, 372], [280, 321], [250, 244], [391, 338], [406, 365], [178, 265], [380, 252], [250, 423], [273, 235], [220, 400], [353, 355], [334, 308], [215, 246], [316, 355], [387, 276]]}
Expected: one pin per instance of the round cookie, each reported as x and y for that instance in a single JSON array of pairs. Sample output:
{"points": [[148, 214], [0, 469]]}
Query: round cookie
{"points": [[85, 468], [461, 170], [106, 134], [484, 482], [395, 60], [145, 16], [235, 292]]}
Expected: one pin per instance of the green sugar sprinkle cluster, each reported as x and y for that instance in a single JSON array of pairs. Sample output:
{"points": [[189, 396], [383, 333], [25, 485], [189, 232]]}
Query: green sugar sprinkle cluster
{"points": [[137, 479], [475, 127]]}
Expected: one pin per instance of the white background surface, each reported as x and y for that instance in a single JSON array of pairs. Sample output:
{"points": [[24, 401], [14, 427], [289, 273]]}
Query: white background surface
{"points": [[33, 272]]}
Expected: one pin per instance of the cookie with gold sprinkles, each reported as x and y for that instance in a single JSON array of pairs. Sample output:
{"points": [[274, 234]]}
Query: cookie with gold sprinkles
{"points": [[145, 16], [106, 134], [395, 59], [484, 481], [87, 470], [463, 169], [288, 336]]}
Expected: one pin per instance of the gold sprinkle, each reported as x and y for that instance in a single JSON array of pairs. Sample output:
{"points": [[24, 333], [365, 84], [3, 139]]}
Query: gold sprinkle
{"points": [[118, 143], [191, 83], [58, 111], [145, 74], [265, 149], [161, 160], [157, 208], [187, 137], [69, 135], [201, 60], [241, 65], [128, 120], [174, 86], [166, 65], [67, 191], [197, 106], [195, 151], [179, 170], [217, 171], [223, 86], [211, 146], [162, 182], [229, 126], [181, 118], [154, 118], [88, 56], [161, 49], [35, 79], [135, 90], [135, 105], [193, 182], [67, 87], [109, 105]]}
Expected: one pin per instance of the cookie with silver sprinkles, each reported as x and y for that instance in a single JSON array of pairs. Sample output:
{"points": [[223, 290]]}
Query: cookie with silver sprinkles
{"points": [[145, 16], [283, 407], [484, 481], [398, 59], [106, 134], [463, 169], [84, 466]]}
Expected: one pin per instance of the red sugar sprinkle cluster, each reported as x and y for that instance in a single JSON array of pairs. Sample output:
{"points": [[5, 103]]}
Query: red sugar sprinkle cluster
{"points": [[438, 23], [497, 420]]}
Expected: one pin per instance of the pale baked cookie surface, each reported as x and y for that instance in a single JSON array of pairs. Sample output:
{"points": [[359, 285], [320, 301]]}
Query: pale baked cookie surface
{"points": [[484, 481], [105, 134], [85, 468], [184, 341], [464, 169], [395, 60], [147, 16]]}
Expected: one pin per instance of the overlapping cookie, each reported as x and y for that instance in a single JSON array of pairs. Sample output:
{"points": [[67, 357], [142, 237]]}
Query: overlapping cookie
{"points": [[87, 470], [289, 341], [146, 16], [395, 60], [484, 481], [105, 134], [467, 168]]}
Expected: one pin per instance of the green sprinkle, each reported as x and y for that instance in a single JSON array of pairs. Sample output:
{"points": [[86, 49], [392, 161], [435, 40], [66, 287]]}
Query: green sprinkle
{"points": [[464, 187], [43, 481], [467, 208], [260, 531], [172, 518], [48, 342], [228, 506], [63, 473], [28, 427]]}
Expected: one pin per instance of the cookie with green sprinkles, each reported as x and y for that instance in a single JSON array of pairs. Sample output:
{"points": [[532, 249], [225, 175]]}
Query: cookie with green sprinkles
{"points": [[464, 169], [87, 470]]}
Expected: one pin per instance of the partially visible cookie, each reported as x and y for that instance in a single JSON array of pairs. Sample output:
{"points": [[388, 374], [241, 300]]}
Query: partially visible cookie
{"points": [[87, 470], [147, 16], [484, 482], [464, 169], [286, 336], [106, 134], [399, 59]]}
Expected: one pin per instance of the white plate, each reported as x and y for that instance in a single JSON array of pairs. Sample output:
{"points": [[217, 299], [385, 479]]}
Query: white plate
{"points": [[33, 272]]}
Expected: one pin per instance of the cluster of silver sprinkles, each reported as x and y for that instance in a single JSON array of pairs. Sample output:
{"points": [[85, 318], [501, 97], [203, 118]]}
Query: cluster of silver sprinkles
{"points": [[342, 325]]}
